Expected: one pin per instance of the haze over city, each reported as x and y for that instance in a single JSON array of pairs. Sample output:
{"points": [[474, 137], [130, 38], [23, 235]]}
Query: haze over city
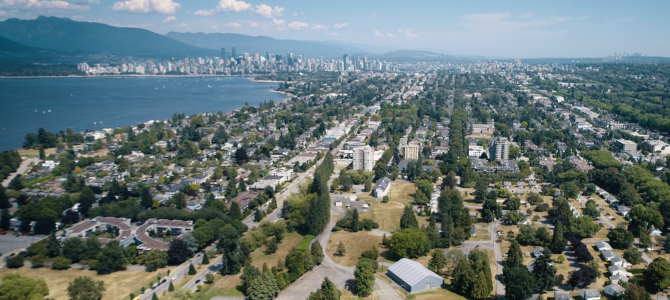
{"points": [[467, 28]]}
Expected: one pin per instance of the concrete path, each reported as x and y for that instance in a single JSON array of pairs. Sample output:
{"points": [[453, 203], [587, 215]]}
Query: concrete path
{"points": [[22, 169]]}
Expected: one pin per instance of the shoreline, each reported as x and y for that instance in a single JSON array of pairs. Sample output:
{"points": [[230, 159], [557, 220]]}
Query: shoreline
{"points": [[133, 75], [288, 97]]}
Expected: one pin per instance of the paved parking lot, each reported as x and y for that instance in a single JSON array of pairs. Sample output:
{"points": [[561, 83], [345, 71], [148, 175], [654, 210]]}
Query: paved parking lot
{"points": [[9, 243]]}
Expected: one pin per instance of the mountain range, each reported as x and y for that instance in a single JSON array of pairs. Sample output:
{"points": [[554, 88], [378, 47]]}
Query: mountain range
{"points": [[66, 35]]}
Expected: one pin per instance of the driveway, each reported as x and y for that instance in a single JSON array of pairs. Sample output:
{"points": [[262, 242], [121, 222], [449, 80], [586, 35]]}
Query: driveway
{"points": [[22, 169]]}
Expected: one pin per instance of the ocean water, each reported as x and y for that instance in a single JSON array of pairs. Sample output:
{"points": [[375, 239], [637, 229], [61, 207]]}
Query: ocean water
{"points": [[93, 103]]}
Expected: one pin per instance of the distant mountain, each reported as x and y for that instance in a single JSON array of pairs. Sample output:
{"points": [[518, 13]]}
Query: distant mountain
{"points": [[263, 44], [12, 46], [63, 34]]}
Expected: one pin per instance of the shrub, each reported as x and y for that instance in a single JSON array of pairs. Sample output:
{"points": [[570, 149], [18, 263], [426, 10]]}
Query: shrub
{"points": [[60, 263], [337, 228], [15, 262], [542, 207]]}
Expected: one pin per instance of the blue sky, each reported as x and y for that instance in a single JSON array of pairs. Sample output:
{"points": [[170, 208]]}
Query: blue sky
{"points": [[513, 29]]}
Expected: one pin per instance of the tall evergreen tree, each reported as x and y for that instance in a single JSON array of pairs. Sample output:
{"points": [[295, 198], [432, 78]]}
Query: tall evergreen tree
{"points": [[514, 257], [544, 271], [235, 212], [354, 221], [408, 219], [205, 258], [558, 242], [317, 252]]}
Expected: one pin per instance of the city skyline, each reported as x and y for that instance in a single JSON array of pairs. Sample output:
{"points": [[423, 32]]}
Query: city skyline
{"points": [[490, 29]]}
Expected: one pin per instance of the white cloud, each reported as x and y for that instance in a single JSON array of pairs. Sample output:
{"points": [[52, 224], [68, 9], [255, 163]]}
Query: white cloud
{"points": [[378, 33], [169, 19], [297, 25], [408, 33], [254, 24], [279, 22], [319, 27], [295, 14], [332, 34], [527, 15], [204, 12], [233, 5], [269, 12], [390, 35], [341, 25], [233, 25], [215, 26], [182, 25], [147, 6], [43, 5]]}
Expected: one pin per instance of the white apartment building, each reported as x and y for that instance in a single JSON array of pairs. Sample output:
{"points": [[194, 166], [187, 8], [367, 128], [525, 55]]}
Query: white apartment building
{"points": [[364, 158]]}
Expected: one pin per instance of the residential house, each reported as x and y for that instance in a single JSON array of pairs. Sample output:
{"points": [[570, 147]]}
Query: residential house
{"points": [[614, 290], [590, 294], [382, 187]]}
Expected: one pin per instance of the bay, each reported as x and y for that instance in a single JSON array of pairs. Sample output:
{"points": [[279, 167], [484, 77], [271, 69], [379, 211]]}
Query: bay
{"points": [[94, 103]]}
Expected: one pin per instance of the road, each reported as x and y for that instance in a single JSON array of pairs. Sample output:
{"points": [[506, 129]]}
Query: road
{"points": [[175, 275], [199, 279], [22, 169]]}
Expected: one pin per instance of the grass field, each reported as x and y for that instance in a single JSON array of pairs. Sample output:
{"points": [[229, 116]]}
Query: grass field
{"points": [[355, 243], [481, 235], [388, 214], [118, 284], [228, 286], [304, 244], [35, 152]]}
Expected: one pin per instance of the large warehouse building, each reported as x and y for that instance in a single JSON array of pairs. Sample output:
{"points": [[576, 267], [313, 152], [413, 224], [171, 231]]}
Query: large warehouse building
{"points": [[413, 276]]}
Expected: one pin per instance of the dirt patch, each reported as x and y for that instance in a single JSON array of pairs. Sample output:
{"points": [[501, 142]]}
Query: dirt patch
{"points": [[35, 152]]}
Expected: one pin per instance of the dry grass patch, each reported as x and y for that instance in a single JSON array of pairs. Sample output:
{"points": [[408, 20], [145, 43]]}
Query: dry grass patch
{"points": [[388, 214], [355, 243], [118, 285], [35, 152]]}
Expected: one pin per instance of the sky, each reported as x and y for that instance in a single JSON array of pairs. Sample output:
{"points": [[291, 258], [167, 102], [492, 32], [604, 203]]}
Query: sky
{"points": [[508, 29]]}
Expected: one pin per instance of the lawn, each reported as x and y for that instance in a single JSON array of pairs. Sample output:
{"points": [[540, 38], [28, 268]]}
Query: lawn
{"points": [[40, 180], [388, 214], [304, 244], [480, 235], [355, 243], [118, 285]]}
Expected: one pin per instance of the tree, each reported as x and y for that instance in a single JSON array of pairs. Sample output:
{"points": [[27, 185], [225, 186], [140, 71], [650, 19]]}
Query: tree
{"points": [[317, 252], [657, 273], [514, 257], [85, 288], [583, 226], [171, 287], [112, 258], [490, 210], [513, 204], [408, 243], [635, 292], [16, 183], [463, 277], [340, 249], [209, 278], [354, 221], [154, 297], [582, 277], [591, 210], [258, 216], [518, 283], [271, 246], [17, 287], [4, 219], [558, 242], [438, 261], [155, 259], [60, 263], [632, 256], [408, 219], [544, 271], [15, 262], [53, 246], [570, 189], [86, 200], [37, 260], [146, 201], [177, 252], [527, 235], [73, 249], [364, 274], [235, 212], [249, 275], [328, 291], [191, 270], [205, 259], [229, 242], [92, 248], [620, 238]]}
